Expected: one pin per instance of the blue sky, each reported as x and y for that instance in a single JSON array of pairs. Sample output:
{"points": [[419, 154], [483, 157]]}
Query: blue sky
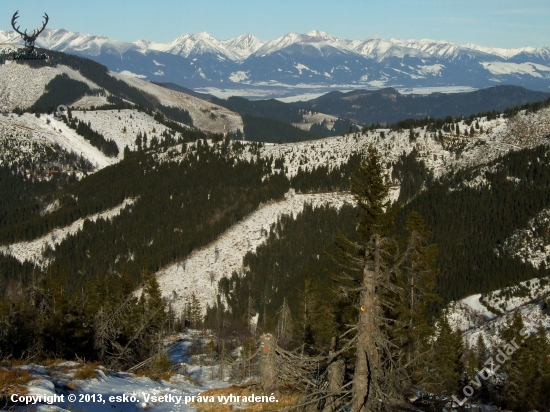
{"points": [[502, 23]]}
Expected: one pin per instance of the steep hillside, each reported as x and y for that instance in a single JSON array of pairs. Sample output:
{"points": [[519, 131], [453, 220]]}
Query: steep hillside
{"points": [[487, 314], [202, 270], [206, 116], [23, 84], [27, 139]]}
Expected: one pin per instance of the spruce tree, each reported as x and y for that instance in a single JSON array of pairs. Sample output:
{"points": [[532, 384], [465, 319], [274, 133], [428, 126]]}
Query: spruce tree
{"points": [[541, 354], [514, 358], [377, 378], [416, 283], [447, 365]]}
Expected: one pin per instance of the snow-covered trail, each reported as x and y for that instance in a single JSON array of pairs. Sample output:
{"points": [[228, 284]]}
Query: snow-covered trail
{"points": [[123, 391], [202, 270], [32, 250]]}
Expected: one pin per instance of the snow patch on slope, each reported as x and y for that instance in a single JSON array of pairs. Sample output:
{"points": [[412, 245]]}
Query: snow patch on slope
{"points": [[501, 68], [21, 85], [486, 314], [239, 76], [111, 124], [41, 134], [202, 270], [33, 250], [200, 110], [532, 244]]}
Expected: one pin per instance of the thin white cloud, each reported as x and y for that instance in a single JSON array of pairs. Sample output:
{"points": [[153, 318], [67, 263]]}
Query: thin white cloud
{"points": [[531, 10]]}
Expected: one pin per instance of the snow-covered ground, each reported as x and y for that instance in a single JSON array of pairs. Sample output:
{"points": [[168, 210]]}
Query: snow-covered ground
{"points": [[309, 118], [487, 314], [29, 136], [202, 270], [33, 250], [111, 124], [134, 393], [206, 116], [499, 137], [532, 244], [532, 314], [21, 85], [24, 137]]}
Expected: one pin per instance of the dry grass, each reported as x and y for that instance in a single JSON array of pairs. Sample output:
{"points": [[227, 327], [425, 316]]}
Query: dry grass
{"points": [[13, 381], [284, 401], [155, 375], [191, 380], [71, 386], [87, 371], [162, 369], [14, 363], [52, 363]]}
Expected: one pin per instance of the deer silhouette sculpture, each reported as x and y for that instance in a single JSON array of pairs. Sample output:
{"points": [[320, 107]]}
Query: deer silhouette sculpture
{"points": [[29, 39]]}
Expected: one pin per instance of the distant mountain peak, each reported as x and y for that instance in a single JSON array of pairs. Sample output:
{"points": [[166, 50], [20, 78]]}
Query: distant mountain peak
{"points": [[244, 45], [313, 59]]}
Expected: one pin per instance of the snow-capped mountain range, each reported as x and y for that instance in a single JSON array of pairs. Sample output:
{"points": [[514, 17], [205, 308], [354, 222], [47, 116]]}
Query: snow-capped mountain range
{"points": [[315, 60]]}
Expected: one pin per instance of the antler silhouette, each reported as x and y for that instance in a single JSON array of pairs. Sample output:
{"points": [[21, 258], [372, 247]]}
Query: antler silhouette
{"points": [[13, 19], [38, 31], [29, 38]]}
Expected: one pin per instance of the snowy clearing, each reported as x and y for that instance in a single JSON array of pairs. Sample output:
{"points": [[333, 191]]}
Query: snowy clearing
{"points": [[532, 244], [33, 250], [206, 116], [487, 314], [38, 134], [202, 270]]}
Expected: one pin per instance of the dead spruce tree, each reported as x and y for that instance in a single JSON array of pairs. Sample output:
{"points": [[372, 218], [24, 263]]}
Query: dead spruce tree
{"points": [[383, 283], [370, 269]]}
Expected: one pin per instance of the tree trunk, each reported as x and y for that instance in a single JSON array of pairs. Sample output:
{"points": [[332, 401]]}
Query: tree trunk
{"points": [[336, 371], [367, 363], [268, 363]]}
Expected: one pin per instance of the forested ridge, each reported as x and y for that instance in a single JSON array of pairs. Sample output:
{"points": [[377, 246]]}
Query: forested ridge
{"points": [[292, 287], [178, 207], [389, 106], [467, 224]]}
